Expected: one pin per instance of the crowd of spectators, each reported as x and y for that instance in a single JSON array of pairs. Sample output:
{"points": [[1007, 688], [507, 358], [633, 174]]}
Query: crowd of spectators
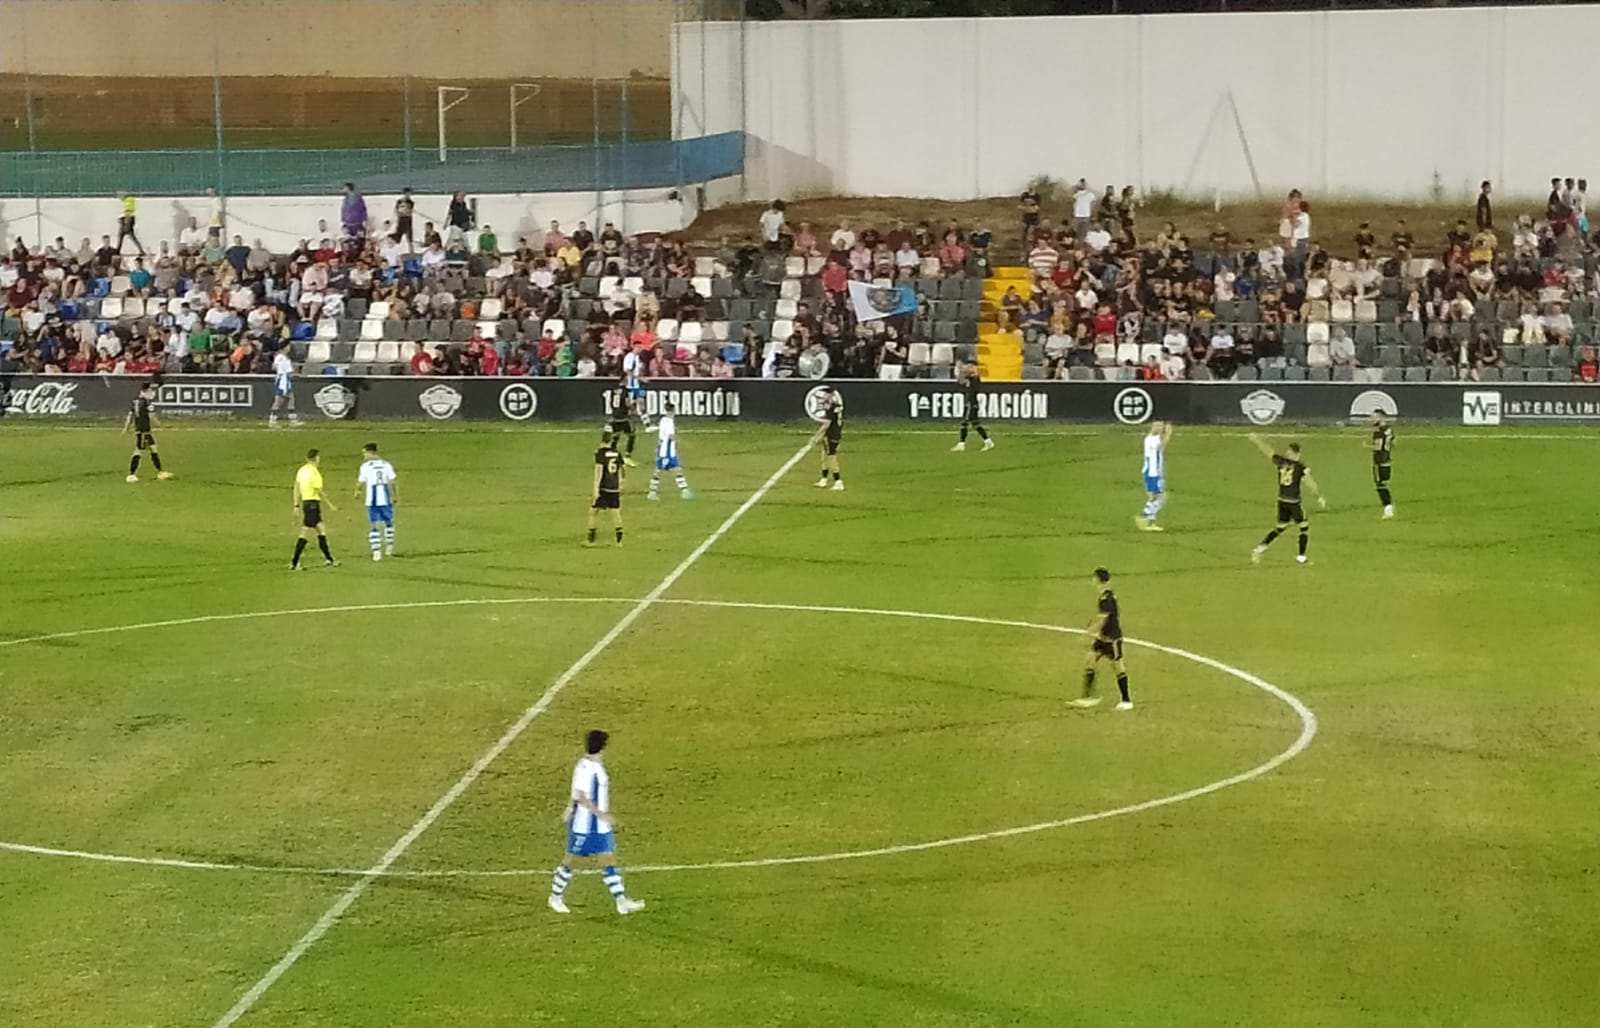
{"points": [[1165, 307], [778, 303]]}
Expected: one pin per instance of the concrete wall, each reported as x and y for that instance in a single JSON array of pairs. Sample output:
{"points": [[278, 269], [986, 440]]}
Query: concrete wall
{"points": [[1372, 102], [437, 39], [282, 221]]}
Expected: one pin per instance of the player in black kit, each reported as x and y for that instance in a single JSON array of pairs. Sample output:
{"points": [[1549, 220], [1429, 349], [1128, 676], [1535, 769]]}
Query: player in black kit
{"points": [[1382, 453], [619, 417], [1105, 634], [607, 491], [829, 435], [1291, 473], [970, 385], [141, 418]]}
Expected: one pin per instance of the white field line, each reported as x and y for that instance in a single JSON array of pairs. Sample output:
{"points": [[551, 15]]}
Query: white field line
{"points": [[1308, 731], [331, 916]]}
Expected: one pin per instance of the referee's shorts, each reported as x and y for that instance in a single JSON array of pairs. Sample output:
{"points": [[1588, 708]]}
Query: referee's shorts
{"points": [[311, 513]]}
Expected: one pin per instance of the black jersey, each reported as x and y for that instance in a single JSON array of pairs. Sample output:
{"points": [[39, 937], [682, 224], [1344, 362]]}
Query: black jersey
{"points": [[1382, 444], [1111, 628], [969, 392], [1290, 474], [141, 414], [609, 461], [835, 422], [617, 404]]}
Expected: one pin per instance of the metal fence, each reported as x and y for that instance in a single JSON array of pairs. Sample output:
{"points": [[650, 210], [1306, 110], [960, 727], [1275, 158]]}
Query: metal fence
{"points": [[271, 97]]}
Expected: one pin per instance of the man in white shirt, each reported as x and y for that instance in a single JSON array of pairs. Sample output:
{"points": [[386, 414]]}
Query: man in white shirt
{"points": [[1082, 207], [1176, 341], [907, 258], [842, 238], [1342, 349], [589, 825], [771, 224], [1172, 366], [190, 239], [1097, 238], [1270, 259]]}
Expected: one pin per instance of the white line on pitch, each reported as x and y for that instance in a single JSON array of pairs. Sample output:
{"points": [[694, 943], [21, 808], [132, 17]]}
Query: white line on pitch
{"points": [[1308, 731], [331, 916]]}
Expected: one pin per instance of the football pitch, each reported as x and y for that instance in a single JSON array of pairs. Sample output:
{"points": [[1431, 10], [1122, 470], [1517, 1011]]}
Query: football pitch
{"points": [[849, 784]]}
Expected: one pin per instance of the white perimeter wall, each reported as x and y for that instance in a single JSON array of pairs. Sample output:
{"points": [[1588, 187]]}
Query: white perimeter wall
{"points": [[1372, 102], [281, 222]]}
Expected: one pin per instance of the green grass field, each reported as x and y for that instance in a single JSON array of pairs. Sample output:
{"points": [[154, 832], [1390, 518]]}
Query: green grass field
{"points": [[1429, 859]]}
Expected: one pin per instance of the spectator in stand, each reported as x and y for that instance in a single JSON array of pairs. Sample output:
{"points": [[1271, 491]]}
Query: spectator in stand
{"points": [[1028, 209], [805, 241], [353, 213], [1485, 210], [1220, 356], [1082, 208], [952, 255], [1097, 239], [583, 240], [1588, 366], [772, 225], [1043, 259], [1342, 349]]}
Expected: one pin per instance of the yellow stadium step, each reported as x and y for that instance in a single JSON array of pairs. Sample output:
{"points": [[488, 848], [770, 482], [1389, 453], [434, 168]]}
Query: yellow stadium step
{"points": [[1010, 274], [992, 370]]}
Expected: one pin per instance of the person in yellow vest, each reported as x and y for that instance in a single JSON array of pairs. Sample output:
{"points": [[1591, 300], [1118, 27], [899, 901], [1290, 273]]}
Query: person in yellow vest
{"points": [[125, 224], [308, 501]]}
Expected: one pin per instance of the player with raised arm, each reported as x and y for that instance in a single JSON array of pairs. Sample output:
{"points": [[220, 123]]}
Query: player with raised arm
{"points": [[667, 454], [1382, 453], [590, 823], [142, 419], [1155, 474], [619, 417], [1291, 473], [829, 436], [607, 488], [1105, 642], [970, 386], [282, 389], [633, 378], [375, 480]]}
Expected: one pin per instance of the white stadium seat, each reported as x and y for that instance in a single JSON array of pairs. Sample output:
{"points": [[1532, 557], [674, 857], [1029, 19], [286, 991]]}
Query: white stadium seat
{"points": [[120, 284], [1147, 351], [1366, 311], [111, 307], [379, 310], [790, 289], [919, 355], [634, 285], [405, 350], [1127, 353], [327, 329], [491, 309], [1317, 332], [318, 352], [1343, 310], [794, 267], [786, 309], [388, 352], [943, 355], [133, 307], [366, 352], [705, 266], [608, 285], [667, 330], [929, 267], [782, 330], [1317, 356], [372, 329], [814, 265], [702, 284], [1105, 353], [691, 333], [556, 327], [718, 331]]}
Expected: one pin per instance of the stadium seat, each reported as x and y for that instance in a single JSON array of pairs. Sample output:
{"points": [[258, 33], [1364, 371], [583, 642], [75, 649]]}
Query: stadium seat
{"points": [[1317, 355], [386, 352], [667, 330], [717, 331], [1317, 332], [1537, 374], [111, 308], [1316, 288], [365, 352], [327, 329], [1147, 351], [706, 266], [702, 284], [782, 329], [794, 267], [790, 289], [786, 309], [556, 327], [1318, 310], [1342, 310], [319, 352], [491, 309], [1273, 373], [733, 353], [1127, 353], [942, 355], [1105, 354], [1078, 373], [1488, 374], [372, 328], [1535, 356], [691, 333], [919, 355], [1414, 374], [814, 265], [404, 351], [1247, 373], [133, 307], [1366, 311], [488, 329], [929, 268], [1559, 356], [378, 310], [607, 285], [120, 284]]}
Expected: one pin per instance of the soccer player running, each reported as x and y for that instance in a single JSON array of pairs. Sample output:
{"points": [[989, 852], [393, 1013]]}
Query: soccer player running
{"points": [[619, 417], [970, 384], [667, 454], [829, 436], [589, 824], [308, 501], [142, 418], [1291, 473], [282, 389], [607, 486], [376, 481], [1105, 633], [1382, 454], [1155, 475]]}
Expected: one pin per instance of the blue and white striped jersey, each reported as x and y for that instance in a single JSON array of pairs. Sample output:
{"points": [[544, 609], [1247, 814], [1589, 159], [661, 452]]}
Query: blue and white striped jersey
{"points": [[377, 475], [1155, 456], [590, 782]]}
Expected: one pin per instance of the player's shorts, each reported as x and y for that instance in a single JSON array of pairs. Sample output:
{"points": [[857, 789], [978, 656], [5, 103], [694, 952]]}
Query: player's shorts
{"points": [[282, 388], [623, 426], [607, 501], [144, 441], [1291, 513], [636, 392], [1380, 474], [590, 844], [311, 513], [1154, 484], [830, 445], [1111, 649], [385, 514], [667, 463]]}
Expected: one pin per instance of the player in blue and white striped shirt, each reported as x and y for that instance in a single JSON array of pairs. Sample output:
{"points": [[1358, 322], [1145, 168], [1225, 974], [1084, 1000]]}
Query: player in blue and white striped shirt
{"points": [[376, 482], [589, 822], [1155, 474], [667, 454]]}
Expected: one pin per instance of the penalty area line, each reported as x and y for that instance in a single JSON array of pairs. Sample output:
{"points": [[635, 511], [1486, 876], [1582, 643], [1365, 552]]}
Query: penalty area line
{"points": [[358, 888]]}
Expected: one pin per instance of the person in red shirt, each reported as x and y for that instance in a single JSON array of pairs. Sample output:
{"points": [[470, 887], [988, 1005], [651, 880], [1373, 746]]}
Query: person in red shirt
{"points": [[489, 362], [547, 347], [1588, 367], [1105, 322], [835, 277], [421, 362]]}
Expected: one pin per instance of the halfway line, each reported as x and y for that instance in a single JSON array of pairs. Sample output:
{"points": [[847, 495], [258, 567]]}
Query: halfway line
{"points": [[331, 916]]}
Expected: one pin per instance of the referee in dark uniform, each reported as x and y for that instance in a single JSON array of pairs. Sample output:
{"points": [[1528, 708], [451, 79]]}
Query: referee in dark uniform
{"points": [[141, 418]]}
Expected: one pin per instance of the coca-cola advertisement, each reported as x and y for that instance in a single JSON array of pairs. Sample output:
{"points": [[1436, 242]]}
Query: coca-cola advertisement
{"points": [[38, 398]]}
